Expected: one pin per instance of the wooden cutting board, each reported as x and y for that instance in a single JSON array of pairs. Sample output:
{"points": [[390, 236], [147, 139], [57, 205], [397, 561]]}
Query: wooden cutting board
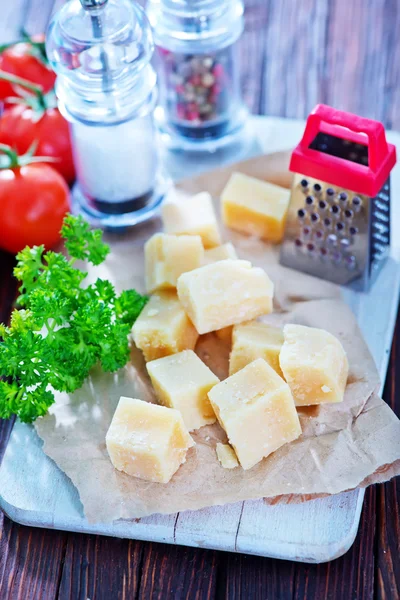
{"points": [[33, 491]]}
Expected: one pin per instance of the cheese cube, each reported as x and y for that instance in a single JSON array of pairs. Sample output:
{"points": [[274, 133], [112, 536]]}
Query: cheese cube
{"points": [[182, 381], [255, 340], [192, 216], [147, 441], [225, 293], [219, 253], [314, 364], [225, 334], [168, 256], [257, 411], [226, 456], [163, 327], [255, 207]]}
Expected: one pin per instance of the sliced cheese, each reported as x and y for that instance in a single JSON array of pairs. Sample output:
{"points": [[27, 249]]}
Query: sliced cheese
{"points": [[192, 216], [182, 381], [163, 328], [256, 409], [314, 364], [168, 256], [147, 441], [225, 293], [220, 253], [226, 456], [253, 340], [255, 207]]}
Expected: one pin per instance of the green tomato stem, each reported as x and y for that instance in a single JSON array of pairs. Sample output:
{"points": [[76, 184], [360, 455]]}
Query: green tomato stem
{"points": [[11, 154], [37, 90], [8, 45], [40, 47], [15, 160]]}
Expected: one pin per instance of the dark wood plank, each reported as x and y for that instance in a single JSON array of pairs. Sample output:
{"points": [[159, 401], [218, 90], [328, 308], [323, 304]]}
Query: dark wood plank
{"points": [[100, 568], [30, 561], [8, 285], [350, 576], [252, 48], [357, 63], [5, 430], [178, 573], [312, 56], [388, 541], [341, 53], [294, 71], [241, 576], [391, 92]]}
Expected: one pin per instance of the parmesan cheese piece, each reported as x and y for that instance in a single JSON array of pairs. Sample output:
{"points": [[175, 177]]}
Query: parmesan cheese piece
{"points": [[163, 327], [226, 456], [192, 216], [182, 381], [257, 411], [168, 256], [146, 440], [255, 340], [219, 253], [255, 207], [225, 293], [314, 364]]}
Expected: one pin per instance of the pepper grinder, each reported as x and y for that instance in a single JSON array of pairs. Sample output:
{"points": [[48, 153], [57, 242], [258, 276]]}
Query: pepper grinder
{"points": [[200, 103], [106, 88]]}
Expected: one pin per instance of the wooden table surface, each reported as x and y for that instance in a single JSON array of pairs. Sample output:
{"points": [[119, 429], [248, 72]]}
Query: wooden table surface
{"points": [[295, 54]]}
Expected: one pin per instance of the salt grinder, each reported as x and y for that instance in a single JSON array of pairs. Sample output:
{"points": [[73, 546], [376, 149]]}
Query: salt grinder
{"points": [[338, 224], [200, 103], [106, 89]]}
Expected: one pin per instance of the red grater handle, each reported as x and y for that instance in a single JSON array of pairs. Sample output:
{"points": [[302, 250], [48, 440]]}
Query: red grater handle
{"points": [[375, 132]]}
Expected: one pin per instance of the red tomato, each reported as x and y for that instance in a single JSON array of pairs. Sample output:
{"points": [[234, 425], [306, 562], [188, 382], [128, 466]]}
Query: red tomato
{"points": [[19, 128], [20, 60], [34, 200]]}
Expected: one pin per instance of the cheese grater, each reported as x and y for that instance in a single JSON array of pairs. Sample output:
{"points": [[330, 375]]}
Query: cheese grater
{"points": [[338, 223]]}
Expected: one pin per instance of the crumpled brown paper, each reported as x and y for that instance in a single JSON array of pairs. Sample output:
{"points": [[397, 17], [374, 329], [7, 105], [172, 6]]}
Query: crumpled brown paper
{"points": [[355, 443]]}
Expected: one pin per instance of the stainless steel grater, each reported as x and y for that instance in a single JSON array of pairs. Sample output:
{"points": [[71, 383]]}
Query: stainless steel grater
{"points": [[338, 223]]}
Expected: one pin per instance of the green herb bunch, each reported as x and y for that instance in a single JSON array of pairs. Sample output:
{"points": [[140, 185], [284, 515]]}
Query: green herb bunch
{"points": [[63, 329]]}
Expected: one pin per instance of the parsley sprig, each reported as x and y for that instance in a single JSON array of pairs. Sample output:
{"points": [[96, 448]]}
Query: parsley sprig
{"points": [[63, 329]]}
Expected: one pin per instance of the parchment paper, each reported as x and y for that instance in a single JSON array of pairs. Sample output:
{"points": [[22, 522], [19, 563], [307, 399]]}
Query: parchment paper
{"points": [[355, 443]]}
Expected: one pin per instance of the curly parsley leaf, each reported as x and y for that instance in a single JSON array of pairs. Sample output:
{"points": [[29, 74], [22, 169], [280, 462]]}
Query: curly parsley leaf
{"points": [[28, 269], [65, 329], [82, 242], [129, 305]]}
